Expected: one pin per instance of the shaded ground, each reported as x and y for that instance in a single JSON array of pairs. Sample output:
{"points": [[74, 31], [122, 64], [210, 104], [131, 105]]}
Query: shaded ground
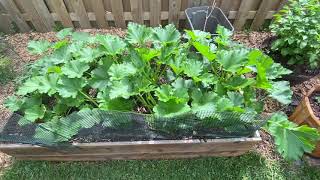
{"points": [[266, 165]]}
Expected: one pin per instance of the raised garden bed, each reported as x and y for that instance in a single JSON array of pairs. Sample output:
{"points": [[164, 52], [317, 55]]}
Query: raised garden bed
{"points": [[161, 149]]}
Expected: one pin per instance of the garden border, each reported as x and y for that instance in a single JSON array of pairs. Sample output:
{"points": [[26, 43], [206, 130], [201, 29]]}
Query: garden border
{"points": [[159, 149]]}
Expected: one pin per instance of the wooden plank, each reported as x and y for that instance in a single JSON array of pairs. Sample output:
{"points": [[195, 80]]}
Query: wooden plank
{"points": [[15, 15], [35, 18], [117, 11], [62, 12], [5, 25], [155, 12], [242, 15], [147, 15], [132, 156], [226, 6], [261, 14], [137, 11], [81, 12], [99, 12], [174, 9], [44, 14]]}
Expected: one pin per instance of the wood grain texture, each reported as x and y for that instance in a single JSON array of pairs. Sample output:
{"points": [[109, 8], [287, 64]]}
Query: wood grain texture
{"points": [[44, 14], [162, 149], [61, 10], [155, 12], [33, 14], [117, 11], [137, 11], [261, 14], [98, 8], [15, 15], [242, 14], [5, 25], [81, 12], [174, 12]]}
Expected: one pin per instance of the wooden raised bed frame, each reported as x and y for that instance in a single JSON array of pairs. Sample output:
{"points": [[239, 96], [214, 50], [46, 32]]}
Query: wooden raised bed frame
{"points": [[303, 114], [162, 149]]}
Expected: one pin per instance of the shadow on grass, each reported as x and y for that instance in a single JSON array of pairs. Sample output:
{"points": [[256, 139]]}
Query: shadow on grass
{"points": [[249, 166]]}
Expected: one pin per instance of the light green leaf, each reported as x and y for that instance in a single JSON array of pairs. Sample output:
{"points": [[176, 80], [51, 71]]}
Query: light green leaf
{"points": [[236, 98], [74, 69], [168, 34], [13, 103], [281, 92], [31, 85], [232, 60], [292, 140], [192, 68], [88, 55], [38, 47], [64, 33], [70, 87], [120, 71], [99, 78], [276, 71], [118, 104], [171, 109], [113, 45], [166, 93], [121, 88], [48, 83], [138, 34], [35, 112], [203, 104], [205, 50], [238, 82]]}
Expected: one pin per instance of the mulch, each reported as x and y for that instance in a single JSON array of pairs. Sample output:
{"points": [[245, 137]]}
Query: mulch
{"points": [[262, 40]]}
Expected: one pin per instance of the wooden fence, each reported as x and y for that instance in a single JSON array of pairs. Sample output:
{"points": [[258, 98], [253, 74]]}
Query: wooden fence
{"points": [[44, 15]]}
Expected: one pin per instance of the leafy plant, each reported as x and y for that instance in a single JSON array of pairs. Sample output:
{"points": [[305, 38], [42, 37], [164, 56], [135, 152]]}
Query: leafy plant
{"points": [[292, 140], [153, 68], [318, 99], [297, 26], [6, 69]]}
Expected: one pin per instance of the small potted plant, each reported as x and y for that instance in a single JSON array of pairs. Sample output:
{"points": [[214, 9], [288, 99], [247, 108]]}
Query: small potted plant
{"points": [[308, 112]]}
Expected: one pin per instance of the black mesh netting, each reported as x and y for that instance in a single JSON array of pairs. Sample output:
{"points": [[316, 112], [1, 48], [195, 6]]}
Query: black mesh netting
{"points": [[108, 126]]}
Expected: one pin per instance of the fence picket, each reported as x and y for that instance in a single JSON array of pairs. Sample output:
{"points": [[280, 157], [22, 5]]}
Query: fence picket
{"points": [[35, 18], [99, 12], [242, 14], [62, 12], [5, 25], [174, 12], [81, 12], [15, 15], [261, 14], [117, 11], [137, 11], [155, 10], [44, 14]]}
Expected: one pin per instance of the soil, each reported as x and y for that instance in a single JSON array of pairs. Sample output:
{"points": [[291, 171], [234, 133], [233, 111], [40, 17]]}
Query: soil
{"points": [[315, 103]]}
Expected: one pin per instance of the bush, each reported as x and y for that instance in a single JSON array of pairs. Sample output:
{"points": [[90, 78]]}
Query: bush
{"points": [[297, 26], [6, 70]]}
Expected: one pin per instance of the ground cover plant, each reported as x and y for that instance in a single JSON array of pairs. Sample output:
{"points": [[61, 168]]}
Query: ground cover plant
{"points": [[297, 27], [154, 69]]}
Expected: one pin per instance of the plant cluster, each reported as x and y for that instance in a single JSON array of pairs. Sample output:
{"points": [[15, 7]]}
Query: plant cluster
{"points": [[297, 27], [153, 68], [6, 66]]}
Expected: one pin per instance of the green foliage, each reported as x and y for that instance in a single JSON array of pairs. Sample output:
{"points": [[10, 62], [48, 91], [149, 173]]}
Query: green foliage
{"points": [[151, 68], [6, 69], [298, 30], [292, 140]]}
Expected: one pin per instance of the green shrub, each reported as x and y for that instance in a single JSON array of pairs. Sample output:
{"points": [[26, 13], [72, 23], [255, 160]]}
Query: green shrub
{"points": [[6, 70], [297, 26]]}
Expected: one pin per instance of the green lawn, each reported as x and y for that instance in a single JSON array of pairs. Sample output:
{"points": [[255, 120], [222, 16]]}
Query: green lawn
{"points": [[250, 166]]}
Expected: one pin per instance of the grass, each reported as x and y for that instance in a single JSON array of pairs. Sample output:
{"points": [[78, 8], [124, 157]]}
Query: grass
{"points": [[249, 166]]}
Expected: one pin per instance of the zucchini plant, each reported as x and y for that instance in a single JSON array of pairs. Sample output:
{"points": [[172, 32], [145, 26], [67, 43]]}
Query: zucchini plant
{"points": [[166, 73]]}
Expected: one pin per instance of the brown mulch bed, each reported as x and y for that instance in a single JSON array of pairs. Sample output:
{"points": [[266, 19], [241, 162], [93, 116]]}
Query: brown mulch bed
{"points": [[261, 40]]}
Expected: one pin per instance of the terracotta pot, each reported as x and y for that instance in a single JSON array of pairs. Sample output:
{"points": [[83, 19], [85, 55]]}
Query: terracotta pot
{"points": [[303, 114]]}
